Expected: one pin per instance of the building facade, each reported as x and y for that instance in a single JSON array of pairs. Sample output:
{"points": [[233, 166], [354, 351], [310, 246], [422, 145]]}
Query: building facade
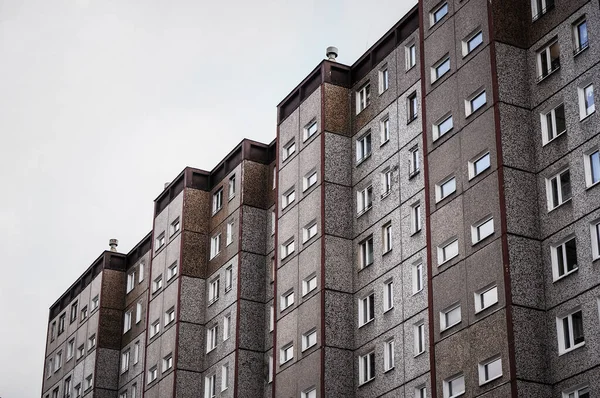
{"points": [[426, 224]]}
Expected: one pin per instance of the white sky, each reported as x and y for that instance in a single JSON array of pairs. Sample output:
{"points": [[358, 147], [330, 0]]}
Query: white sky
{"points": [[103, 101]]}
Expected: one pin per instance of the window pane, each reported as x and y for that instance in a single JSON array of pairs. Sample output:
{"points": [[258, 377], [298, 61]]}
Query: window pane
{"points": [[482, 163], [571, 255], [565, 185], [577, 327], [445, 126], [595, 166], [559, 114], [475, 41]]}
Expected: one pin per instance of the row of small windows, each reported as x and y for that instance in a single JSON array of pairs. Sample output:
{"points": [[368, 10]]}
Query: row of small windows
{"points": [[215, 241], [558, 186], [75, 391], [212, 333], [172, 272], [126, 357], [131, 277], [56, 329], [217, 202], [167, 365], [210, 382], [132, 393], [290, 147], [55, 363], [160, 240]]}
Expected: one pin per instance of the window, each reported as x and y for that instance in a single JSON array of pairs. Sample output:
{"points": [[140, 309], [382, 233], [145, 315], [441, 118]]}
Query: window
{"points": [[67, 387], [175, 227], [443, 126], [152, 374], [364, 200], [419, 331], [91, 342], [157, 284], [154, 328], [123, 394], [172, 271], [229, 234], [388, 295], [482, 230], [287, 299], [558, 189], [366, 310], [231, 187], [288, 150], [210, 386], [309, 284], [309, 339], [167, 363], [61, 323], [95, 303], [475, 103], [486, 298], [213, 290], [138, 312], [224, 377], [595, 232], [417, 272], [438, 13], [580, 36], [274, 177], [578, 392], [271, 318], [125, 361], [159, 242], [363, 147], [445, 188], [89, 381], [421, 391], [286, 353], [366, 252], [479, 165], [310, 393], [73, 316], [228, 278], [411, 56], [564, 258], [141, 273], [215, 246], [384, 128], [84, 313], [217, 201], [58, 361], [490, 370], [447, 251], [212, 337], [273, 220], [592, 167], [310, 130], [309, 180], [309, 231], [169, 316], [384, 82], [270, 370], [412, 107], [570, 331], [366, 368], [540, 7], [386, 232], [415, 222], [386, 182], [413, 161], [77, 390], [454, 386], [133, 390], [127, 322], [363, 98], [49, 368], [440, 69], [130, 281], [136, 352], [553, 123], [55, 392], [548, 60], [226, 327], [70, 349], [586, 101], [450, 316], [388, 355], [472, 42], [288, 198], [80, 351], [287, 249]]}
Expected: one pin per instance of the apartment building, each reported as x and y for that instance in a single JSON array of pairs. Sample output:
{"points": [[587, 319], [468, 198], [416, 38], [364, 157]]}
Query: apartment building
{"points": [[426, 224]]}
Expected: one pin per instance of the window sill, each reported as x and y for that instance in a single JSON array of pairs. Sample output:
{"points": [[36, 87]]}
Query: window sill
{"points": [[578, 51], [384, 142], [490, 380], [365, 267], [358, 112], [409, 121], [366, 323], [214, 213], [560, 278], [559, 205], [231, 198], [447, 260], [366, 382], [444, 198], [389, 370], [481, 239], [586, 117], [211, 302], [228, 289], [358, 215], [555, 137], [450, 327], [595, 184], [480, 310], [363, 159], [475, 111], [386, 194], [415, 232], [388, 310], [417, 292], [439, 136], [419, 354], [541, 78], [387, 252], [576, 346], [414, 174]]}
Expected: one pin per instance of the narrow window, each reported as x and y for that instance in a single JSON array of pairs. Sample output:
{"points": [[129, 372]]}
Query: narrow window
{"points": [[212, 337], [548, 60], [388, 295], [130, 282], [384, 83], [564, 258], [210, 386], [386, 182], [227, 327], [415, 222], [288, 198], [127, 322], [224, 377], [366, 252], [229, 233], [169, 316], [215, 246], [592, 167], [157, 284], [309, 180], [73, 312], [138, 312], [414, 162], [309, 339], [387, 237], [141, 273], [558, 189], [228, 278], [287, 299], [366, 309], [580, 36], [287, 249], [586, 101], [363, 98], [155, 328], [419, 332], [125, 361], [366, 368], [152, 374], [363, 147], [412, 107], [213, 290], [364, 200], [136, 352], [388, 355], [217, 200], [309, 284], [595, 234], [159, 242], [384, 128], [288, 150], [310, 129], [421, 391], [540, 7], [309, 231], [411, 56], [417, 273], [231, 187], [454, 386]]}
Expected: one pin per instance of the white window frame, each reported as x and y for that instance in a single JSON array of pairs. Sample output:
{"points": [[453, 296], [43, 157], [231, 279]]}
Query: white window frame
{"points": [[388, 355], [440, 128], [364, 200], [287, 249], [415, 218], [420, 345], [476, 38], [386, 182], [414, 161], [167, 363], [586, 109], [270, 370], [445, 322], [310, 393], [559, 256], [366, 368], [309, 180], [95, 303], [138, 313], [561, 197], [309, 231], [172, 271], [387, 237], [70, 349], [417, 276], [217, 203], [434, 17], [549, 123], [286, 353], [443, 256], [474, 169], [482, 230], [591, 167], [412, 107], [229, 233], [130, 282], [309, 339], [226, 327], [364, 147], [231, 187], [473, 103], [310, 129], [384, 129], [157, 284], [155, 328], [159, 242], [363, 97], [271, 318], [595, 236], [545, 64], [125, 361], [366, 252], [567, 337], [421, 391], [127, 322], [443, 186], [384, 81], [174, 227], [288, 198], [449, 389], [286, 300], [89, 382], [169, 316], [141, 272], [580, 45], [437, 72], [212, 337], [309, 284], [366, 309], [224, 377], [213, 290], [288, 150], [577, 392], [136, 352], [388, 295], [152, 374], [92, 342], [485, 298], [228, 278], [410, 52], [488, 366], [215, 246], [210, 386]]}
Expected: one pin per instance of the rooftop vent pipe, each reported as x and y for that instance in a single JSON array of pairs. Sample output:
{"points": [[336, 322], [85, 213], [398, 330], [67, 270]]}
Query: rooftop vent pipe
{"points": [[332, 53], [113, 243]]}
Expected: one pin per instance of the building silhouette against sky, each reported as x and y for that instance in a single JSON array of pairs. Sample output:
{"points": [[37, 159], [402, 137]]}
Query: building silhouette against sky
{"points": [[426, 224]]}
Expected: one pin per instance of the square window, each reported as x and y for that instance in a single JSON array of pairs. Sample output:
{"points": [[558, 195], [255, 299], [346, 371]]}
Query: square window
{"points": [[580, 36], [475, 103], [558, 189], [363, 98], [288, 150], [309, 284], [417, 274], [540, 7], [287, 299], [486, 298], [167, 363], [366, 309], [159, 242], [440, 68], [478, 165], [212, 337], [366, 368], [592, 167], [411, 56], [157, 284], [384, 128], [447, 251], [450, 317], [217, 201], [454, 386], [288, 198], [442, 126], [564, 258], [309, 180], [287, 249], [172, 271], [388, 355], [472, 42], [310, 129], [419, 336], [384, 83], [309, 231], [215, 246], [364, 200], [482, 230], [363, 148], [570, 331], [445, 188], [553, 123], [154, 328], [174, 228], [490, 370], [213, 290], [286, 353], [438, 13], [309, 339], [548, 59], [366, 252], [412, 107], [231, 187], [169, 316], [388, 295], [586, 101]]}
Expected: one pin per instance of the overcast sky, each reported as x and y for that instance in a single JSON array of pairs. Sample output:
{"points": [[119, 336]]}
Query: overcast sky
{"points": [[103, 101]]}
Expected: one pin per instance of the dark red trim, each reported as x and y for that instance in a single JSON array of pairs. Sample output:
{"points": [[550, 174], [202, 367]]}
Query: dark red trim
{"points": [[502, 198], [432, 370], [322, 125]]}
